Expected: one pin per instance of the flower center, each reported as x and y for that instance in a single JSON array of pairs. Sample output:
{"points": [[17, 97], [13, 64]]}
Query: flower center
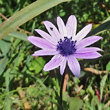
{"points": [[67, 46]]}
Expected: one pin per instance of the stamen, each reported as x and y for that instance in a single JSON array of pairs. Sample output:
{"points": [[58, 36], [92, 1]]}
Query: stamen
{"points": [[66, 47]]}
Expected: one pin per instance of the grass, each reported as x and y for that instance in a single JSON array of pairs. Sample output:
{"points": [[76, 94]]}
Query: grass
{"points": [[24, 84]]}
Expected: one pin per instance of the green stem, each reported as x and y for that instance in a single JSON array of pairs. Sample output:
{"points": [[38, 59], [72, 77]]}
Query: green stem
{"points": [[61, 87]]}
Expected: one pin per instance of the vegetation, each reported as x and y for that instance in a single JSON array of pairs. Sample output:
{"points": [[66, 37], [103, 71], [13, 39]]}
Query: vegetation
{"points": [[23, 83]]}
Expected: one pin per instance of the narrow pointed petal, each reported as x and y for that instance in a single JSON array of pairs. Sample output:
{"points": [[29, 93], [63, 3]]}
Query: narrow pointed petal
{"points": [[52, 30], [88, 49], [71, 26], [89, 55], [41, 43], [53, 63], [45, 36], [87, 41], [81, 34], [74, 65], [61, 27], [45, 52], [63, 66]]}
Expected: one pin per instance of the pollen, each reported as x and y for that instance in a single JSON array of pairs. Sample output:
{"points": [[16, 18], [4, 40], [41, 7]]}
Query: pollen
{"points": [[66, 47]]}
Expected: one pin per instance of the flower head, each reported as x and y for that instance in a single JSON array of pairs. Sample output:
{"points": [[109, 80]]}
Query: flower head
{"points": [[65, 45]]}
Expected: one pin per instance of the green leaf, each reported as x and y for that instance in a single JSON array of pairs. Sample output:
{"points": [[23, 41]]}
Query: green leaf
{"points": [[90, 90], [37, 65], [82, 73], [18, 35], [66, 97], [108, 66], [96, 102], [7, 81], [26, 14], [102, 84], [5, 45], [29, 57], [102, 27], [3, 63], [75, 103]]}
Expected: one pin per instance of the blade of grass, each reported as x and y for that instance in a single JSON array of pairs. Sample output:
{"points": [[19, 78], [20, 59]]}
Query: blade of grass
{"points": [[26, 14], [102, 84], [101, 28], [18, 35], [7, 80]]}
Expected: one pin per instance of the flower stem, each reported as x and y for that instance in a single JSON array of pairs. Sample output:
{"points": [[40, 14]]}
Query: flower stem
{"points": [[61, 87]]}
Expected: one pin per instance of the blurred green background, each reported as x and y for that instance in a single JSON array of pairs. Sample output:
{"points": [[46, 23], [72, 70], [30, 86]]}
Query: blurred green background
{"points": [[23, 83]]}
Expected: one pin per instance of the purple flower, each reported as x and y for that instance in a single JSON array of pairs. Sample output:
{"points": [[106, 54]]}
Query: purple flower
{"points": [[65, 45]]}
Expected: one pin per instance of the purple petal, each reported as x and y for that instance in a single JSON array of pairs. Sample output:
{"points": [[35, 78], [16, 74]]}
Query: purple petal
{"points": [[52, 30], [63, 66], [74, 65], [61, 27], [89, 55], [45, 36], [71, 26], [41, 43], [81, 34], [87, 41], [45, 52], [53, 63], [88, 49]]}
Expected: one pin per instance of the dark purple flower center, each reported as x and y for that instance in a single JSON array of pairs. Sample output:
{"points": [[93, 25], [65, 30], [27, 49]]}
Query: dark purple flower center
{"points": [[66, 47]]}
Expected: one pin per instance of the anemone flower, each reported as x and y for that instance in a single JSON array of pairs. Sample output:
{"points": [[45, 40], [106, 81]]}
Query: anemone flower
{"points": [[65, 45]]}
